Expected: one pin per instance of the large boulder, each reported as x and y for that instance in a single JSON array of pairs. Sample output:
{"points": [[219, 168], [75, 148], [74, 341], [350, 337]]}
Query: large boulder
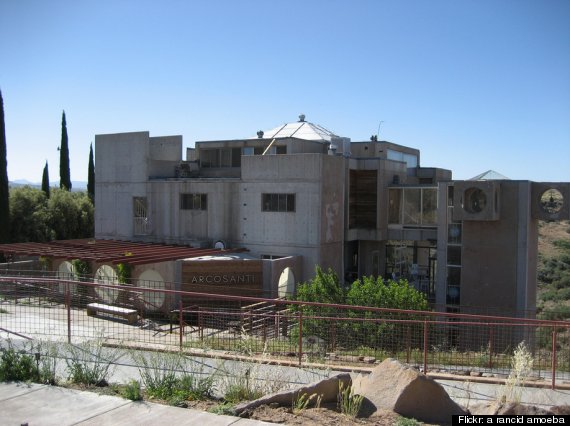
{"points": [[327, 389], [394, 386]]}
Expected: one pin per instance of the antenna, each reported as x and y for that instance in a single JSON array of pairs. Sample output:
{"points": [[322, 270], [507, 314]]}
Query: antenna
{"points": [[379, 124]]}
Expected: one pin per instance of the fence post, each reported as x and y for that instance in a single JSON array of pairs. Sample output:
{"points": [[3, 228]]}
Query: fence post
{"points": [[68, 305], [200, 323], [553, 357], [181, 322], [408, 344], [491, 335], [425, 345], [300, 336]]}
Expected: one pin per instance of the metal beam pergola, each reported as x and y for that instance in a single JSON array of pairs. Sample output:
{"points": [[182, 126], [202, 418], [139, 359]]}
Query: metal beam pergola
{"points": [[111, 251]]}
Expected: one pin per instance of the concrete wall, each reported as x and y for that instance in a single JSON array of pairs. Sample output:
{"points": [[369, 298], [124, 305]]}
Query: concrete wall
{"points": [[121, 167], [499, 257]]}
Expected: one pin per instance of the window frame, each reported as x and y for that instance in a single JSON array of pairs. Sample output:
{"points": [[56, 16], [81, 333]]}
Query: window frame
{"points": [[278, 202]]}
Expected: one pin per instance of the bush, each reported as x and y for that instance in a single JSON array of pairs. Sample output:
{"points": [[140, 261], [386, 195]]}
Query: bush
{"points": [[17, 366], [89, 365], [374, 331]]}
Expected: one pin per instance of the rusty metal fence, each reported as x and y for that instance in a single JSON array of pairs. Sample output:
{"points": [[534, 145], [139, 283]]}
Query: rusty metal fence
{"points": [[49, 306]]}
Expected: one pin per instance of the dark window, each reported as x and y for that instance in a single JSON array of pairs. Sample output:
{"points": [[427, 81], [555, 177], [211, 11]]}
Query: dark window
{"points": [[278, 202], [193, 201], [362, 202]]}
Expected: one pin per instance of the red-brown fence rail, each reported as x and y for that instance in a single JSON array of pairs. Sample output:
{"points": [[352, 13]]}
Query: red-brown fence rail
{"points": [[40, 307]]}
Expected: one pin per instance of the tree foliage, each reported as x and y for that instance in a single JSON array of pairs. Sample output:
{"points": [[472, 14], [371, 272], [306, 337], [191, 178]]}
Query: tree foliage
{"points": [[64, 173], [45, 180], [4, 185], [65, 215], [369, 328], [91, 176]]}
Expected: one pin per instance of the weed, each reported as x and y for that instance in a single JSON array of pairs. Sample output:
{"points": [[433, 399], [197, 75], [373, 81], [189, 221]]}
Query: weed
{"points": [[4, 311], [521, 366], [89, 365], [302, 401], [250, 381], [165, 376], [405, 421], [225, 408], [46, 357], [349, 403], [132, 391]]}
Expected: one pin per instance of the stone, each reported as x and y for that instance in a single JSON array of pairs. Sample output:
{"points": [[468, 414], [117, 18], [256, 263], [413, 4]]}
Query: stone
{"points": [[396, 387], [475, 374], [327, 389]]}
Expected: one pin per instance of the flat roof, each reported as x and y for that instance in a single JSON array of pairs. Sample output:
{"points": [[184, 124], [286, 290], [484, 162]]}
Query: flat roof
{"points": [[112, 251]]}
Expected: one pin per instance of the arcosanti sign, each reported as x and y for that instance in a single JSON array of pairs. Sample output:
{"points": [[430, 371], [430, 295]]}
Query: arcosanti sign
{"points": [[223, 279]]}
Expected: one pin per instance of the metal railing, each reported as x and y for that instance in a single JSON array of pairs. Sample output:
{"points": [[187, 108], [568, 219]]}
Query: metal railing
{"points": [[276, 330]]}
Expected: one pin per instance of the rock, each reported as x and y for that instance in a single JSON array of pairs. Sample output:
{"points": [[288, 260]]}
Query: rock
{"points": [[475, 374], [327, 388], [394, 386]]}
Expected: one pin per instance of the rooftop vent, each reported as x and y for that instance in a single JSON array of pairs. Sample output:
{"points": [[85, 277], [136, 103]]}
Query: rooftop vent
{"points": [[260, 134], [301, 118]]}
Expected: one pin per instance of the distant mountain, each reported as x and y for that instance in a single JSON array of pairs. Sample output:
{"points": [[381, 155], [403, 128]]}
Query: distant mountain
{"points": [[75, 185]]}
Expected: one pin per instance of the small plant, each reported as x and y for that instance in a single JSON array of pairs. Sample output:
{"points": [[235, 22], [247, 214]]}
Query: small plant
{"points": [[17, 365], [241, 388], [405, 421], [302, 401], [132, 391], [89, 365], [225, 408], [46, 358], [521, 366], [4, 311], [349, 403], [166, 377]]}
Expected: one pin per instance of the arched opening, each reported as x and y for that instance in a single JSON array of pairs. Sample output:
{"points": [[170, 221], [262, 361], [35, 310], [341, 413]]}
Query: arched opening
{"points": [[286, 284], [106, 274], [152, 300]]}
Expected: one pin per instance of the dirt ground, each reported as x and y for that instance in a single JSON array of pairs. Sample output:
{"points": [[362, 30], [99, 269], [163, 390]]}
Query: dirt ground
{"points": [[326, 415]]}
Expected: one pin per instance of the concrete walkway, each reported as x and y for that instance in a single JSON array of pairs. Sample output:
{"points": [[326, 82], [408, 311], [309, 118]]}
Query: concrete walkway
{"points": [[41, 405]]}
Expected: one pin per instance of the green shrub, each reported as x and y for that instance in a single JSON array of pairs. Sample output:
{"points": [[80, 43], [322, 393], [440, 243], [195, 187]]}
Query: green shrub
{"points": [[132, 391], [17, 366]]}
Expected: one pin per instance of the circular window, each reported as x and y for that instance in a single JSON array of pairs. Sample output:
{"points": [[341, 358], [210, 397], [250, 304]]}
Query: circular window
{"points": [[551, 201], [475, 200]]}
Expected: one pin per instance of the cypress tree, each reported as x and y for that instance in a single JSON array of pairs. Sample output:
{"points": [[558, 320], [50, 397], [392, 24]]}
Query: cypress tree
{"points": [[45, 180], [64, 174], [4, 184], [91, 176]]}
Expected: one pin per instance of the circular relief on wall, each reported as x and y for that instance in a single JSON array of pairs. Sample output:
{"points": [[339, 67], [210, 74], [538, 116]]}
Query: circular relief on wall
{"points": [[551, 201], [106, 274], [475, 200], [153, 300]]}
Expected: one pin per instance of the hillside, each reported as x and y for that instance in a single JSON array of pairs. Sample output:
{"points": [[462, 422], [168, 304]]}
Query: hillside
{"points": [[553, 299]]}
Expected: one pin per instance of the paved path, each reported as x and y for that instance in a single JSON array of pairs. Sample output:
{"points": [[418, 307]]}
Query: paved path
{"points": [[41, 405]]}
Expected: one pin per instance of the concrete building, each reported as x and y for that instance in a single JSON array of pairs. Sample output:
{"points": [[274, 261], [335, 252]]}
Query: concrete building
{"points": [[298, 196]]}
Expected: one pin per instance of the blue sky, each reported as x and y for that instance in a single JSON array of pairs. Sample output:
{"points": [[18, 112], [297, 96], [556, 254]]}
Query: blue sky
{"points": [[475, 85]]}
